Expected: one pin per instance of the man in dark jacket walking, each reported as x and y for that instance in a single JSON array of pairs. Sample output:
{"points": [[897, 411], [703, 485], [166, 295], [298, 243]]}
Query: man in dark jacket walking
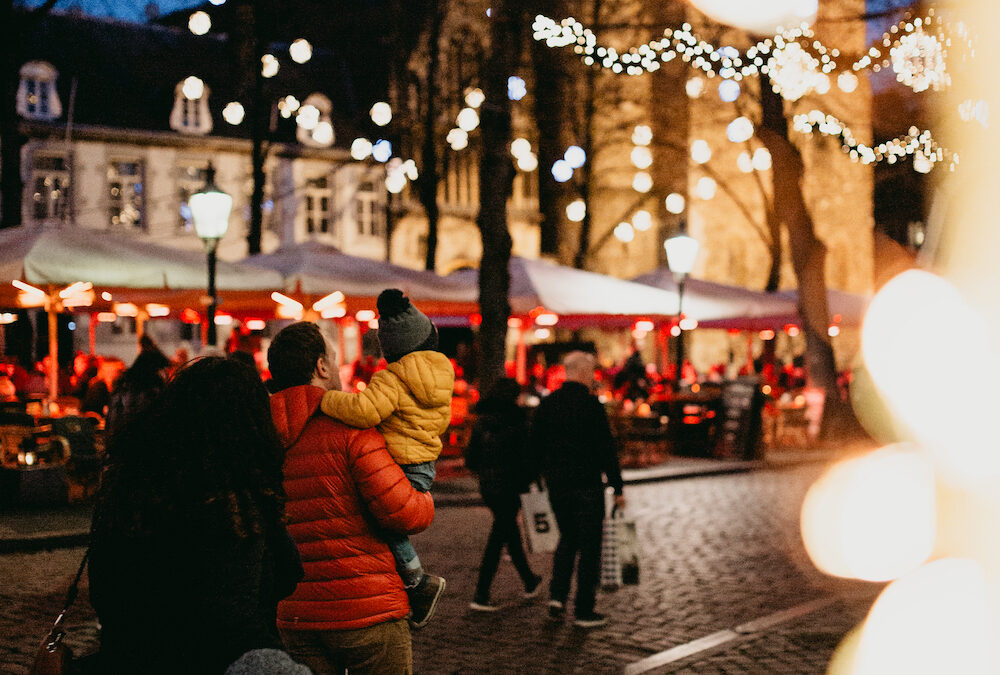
{"points": [[571, 436]]}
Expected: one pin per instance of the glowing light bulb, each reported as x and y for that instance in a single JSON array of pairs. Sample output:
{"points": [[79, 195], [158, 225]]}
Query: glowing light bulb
{"points": [[729, 90], [642, 182], [361, 148], [467, 120], [307, 117], [576, 210], [695, 87], [268, 65], [475, 97], [675, 203], [527, 162], [705, 188], [233, 113], [642, 220], [739, 130], [642, 157], [382, 150], [745, 162], [300, 50], [562, 171], [700, 151], [193, 88], [575, 156], [624, 232], [199, 23], [381, 113], [642, 135], [520, 146], [761, 159]]}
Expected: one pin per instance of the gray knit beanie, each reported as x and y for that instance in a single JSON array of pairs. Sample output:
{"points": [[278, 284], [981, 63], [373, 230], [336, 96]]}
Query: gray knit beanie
{"points": [[402, 328], [266, 662]]}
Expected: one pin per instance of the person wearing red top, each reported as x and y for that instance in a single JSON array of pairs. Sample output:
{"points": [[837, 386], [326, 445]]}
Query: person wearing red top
{"points": [[349, 611]]}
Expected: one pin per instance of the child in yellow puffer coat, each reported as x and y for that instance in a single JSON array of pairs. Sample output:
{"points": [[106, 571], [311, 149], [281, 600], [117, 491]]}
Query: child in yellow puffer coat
{"points": [[410, 404]]}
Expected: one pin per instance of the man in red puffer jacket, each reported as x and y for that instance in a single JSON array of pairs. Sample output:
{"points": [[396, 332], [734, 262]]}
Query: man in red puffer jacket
{"points": [[350, 609]]}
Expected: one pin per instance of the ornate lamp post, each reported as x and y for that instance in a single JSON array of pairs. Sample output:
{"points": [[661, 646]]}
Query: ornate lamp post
{"points": [[210, 208], [681, 253]]}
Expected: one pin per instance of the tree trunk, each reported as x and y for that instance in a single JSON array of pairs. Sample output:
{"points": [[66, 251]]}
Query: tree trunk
{"points": [[496, 173], [808, 260], [427, 182], [253, 22], [586, 225]]}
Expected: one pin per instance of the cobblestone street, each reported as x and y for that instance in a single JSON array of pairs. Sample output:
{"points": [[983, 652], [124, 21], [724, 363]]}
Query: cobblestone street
{"points": [[719, 553]]}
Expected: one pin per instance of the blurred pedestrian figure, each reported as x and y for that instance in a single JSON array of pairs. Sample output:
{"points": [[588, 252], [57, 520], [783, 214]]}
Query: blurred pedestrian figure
{"points": [[631, 380], [189, 555], [497, 452], [98, 393], [138, 386], [571, 435], [344, 487]]}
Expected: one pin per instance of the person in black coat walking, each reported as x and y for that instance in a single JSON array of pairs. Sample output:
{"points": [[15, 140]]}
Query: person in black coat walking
{"points": [[497, 453], [571, 435]]}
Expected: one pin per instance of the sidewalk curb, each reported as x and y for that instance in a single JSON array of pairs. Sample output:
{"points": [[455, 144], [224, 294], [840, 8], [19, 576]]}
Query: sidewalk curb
{"points": [[46, 541]]}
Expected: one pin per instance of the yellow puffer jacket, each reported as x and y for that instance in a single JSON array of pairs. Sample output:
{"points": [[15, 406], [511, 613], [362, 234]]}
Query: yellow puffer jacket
{"points": [[409, 403]]}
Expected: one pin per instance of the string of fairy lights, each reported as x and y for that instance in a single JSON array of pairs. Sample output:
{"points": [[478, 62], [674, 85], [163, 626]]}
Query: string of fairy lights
{"points": [[796, 63]]}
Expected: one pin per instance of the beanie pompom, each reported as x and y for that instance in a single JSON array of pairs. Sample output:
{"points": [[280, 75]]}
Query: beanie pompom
{"points": [[391, 302]]}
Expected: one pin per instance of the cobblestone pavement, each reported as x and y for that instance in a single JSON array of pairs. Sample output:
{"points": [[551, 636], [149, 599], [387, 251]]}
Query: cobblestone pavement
{"points": [[718, 552]]}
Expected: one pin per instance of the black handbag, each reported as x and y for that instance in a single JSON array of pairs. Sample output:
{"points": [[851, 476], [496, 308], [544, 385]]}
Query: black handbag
{"points": [[53, 657]]}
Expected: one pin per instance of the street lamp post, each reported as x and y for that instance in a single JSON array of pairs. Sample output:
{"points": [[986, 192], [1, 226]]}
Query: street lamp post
{"points": [[210, 209], [682, 250]]}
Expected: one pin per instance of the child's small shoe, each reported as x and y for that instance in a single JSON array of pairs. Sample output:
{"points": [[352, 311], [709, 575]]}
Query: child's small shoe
{"points": [[424, 599]]}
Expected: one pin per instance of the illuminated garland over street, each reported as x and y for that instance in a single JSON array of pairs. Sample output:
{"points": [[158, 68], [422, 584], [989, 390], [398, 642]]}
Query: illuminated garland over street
{"points": [[921, 145], [796, 64]]}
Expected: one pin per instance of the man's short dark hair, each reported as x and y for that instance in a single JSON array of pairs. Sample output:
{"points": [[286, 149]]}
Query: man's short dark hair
{"points": [[293, 353]]}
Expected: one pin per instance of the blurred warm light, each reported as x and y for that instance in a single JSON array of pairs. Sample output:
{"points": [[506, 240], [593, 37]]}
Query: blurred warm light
{"points": [[897, 338], [766, 334], [763, 17], [576, 210], [285, 301], [700, 151], [641, 156], [833, 330], [744, 162], [527, 162], [395, 181], [761, 159], [688, 323], [644, 325], [624, 232], [381, 113], [256, 324], [364, 315], [542, 333], [514, 322], [155, 310], [409, 168], [729, 90], [520, 146], [193, 88], [675, 330], [792, 330], [575, 156], [642, 182], [547, 319], [467, 120], [475, 97], [125, 309], [458, 139], [739, 130], [328, 301], [675, 203], [7, 317], [873, 517], [335, 312], [705, 188], [300, 50], [106, 296], [233, 113], [694, 87], [222, 319], [935, 620], [561, 170], [475, 319], [323, 133], [199, 23], [74, 288], [516, 88], [642, 220], [373, 324], [107, 317], [847, 81], [361, 148], [642, 135], [307, 117], [268, 65]]}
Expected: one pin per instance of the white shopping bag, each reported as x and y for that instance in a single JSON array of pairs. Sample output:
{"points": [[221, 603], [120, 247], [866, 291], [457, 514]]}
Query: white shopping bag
{"points": [[540, 527]]}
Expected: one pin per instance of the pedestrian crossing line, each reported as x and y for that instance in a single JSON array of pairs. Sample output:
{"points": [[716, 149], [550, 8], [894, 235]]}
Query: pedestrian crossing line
{"points": [[719, 638]]}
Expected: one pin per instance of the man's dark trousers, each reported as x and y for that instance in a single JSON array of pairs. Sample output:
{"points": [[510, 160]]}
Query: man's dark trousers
{"points": [[579, 514]]}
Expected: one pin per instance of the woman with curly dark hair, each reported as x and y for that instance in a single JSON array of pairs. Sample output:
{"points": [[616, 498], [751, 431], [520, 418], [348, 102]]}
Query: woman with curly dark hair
{"points": [[189, 555]]}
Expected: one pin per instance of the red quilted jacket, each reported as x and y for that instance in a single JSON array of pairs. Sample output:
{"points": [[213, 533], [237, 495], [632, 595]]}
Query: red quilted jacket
{"points": [[341, 482]]}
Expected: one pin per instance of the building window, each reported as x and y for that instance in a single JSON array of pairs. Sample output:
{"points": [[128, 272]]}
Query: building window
{"points": [[319, 196], [190, 179], [50, 181], [190, 113], [125, 194], [37, 97], [369, 213]]}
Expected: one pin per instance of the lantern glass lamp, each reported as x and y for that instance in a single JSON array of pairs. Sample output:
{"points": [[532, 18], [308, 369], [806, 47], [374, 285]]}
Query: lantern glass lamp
{"points": [[210, 209], [682, 251]]}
